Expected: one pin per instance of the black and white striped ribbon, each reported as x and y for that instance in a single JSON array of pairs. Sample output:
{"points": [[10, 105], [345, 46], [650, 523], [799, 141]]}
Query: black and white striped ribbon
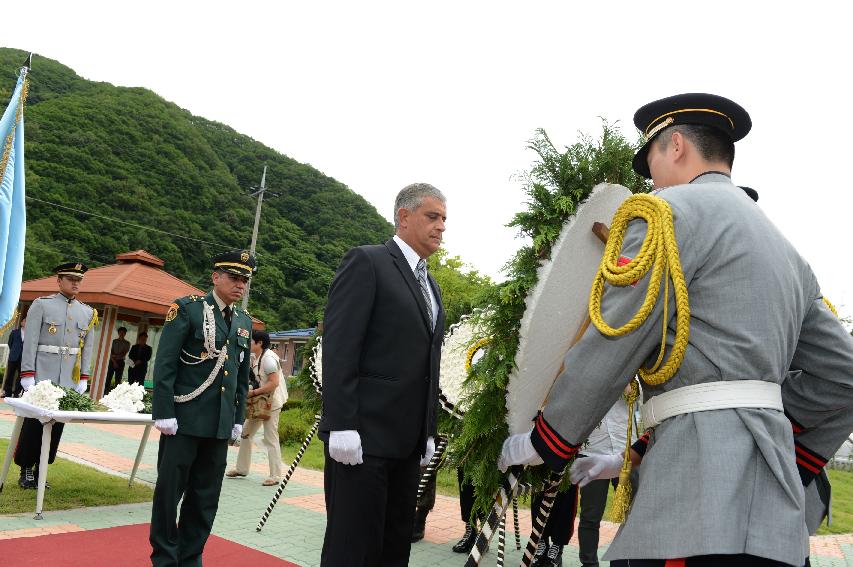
{"points": [[515, 523], [432, 466], [449, 406], [503, 498], [501, 541], [541, 518], [290, 470]]}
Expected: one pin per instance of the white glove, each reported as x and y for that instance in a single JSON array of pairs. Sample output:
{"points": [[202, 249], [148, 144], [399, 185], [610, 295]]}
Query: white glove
{"points": [[430, 451], [81, 386], [345, 447], [595, 467], [518, 450], [236, 431], [28, 382], [166, 426]]}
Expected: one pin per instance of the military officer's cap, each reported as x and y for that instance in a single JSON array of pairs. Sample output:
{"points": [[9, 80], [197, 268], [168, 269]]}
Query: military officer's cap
{"points": [[71, 269], [753, 194], [239, 262], [692, 108]]}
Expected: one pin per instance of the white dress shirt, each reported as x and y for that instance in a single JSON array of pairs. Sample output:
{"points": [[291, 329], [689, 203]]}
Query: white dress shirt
{"points": [[412, 258]]}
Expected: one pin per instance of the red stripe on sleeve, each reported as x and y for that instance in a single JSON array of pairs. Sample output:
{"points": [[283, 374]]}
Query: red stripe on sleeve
{"points": [[550, 433], [808, 466], [806, 455]]}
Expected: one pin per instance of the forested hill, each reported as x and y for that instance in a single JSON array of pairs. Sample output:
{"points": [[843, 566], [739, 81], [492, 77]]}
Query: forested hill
{"points": [[128, 154]]}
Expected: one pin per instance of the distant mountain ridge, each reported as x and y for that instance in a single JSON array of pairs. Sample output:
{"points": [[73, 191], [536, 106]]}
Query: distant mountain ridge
{"points": [[128, 154]]}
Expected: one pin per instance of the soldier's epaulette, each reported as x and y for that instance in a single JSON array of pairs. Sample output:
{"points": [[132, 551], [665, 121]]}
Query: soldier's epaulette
{"points": [[187, 299]]}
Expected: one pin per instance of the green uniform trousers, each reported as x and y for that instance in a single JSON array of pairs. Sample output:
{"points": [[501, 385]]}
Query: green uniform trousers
{"points": [[190, 468]]}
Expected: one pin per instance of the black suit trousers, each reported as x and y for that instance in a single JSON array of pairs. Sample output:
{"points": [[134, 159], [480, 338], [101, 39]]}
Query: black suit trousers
{"points": [[28, 451], [12, 379], [192, 468], [370, 511], [561, 522]]}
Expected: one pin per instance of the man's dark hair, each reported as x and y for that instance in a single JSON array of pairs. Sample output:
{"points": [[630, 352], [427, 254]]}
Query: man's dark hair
{"points": [[121, 330], [263, 337], [711, 144], [140, 335]]}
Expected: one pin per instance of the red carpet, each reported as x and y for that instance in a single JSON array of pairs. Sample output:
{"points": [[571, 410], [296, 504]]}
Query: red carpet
{"points": [[123, 546]]}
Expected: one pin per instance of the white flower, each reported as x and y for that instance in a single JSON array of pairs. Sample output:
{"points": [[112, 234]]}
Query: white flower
{"points": [[125, 398], [44, 395], [460, 342], [317, 362]]}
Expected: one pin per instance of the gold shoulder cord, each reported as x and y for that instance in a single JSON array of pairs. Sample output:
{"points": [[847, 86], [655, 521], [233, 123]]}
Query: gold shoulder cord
{"points": [[659, 253], [75, 372]]}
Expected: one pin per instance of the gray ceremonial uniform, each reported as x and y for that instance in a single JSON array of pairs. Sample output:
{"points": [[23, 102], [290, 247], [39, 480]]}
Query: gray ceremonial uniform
{"points": [[57, 322], [726, 481]]}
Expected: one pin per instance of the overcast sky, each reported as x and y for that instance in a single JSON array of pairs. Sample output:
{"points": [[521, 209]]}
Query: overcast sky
{"points": [[379, 95]]}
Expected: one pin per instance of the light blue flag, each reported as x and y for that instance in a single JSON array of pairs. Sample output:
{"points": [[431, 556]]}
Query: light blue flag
{"points": [[13, 219]]}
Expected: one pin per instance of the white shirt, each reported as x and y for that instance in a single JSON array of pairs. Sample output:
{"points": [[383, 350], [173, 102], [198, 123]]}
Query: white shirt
{"points": [[610, 435], [270, 364], [412, 258], [221, 304]]}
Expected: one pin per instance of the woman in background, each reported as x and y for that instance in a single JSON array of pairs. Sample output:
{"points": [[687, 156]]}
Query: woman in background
{"points": [[267, 370]]}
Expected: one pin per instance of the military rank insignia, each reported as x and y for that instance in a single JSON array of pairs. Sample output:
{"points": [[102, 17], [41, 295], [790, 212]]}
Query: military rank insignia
{"points": [[173, 312], [244, 333]]}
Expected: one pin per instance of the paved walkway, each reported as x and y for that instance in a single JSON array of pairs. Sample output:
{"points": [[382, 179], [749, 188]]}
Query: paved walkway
{"points": [[295, 529]]}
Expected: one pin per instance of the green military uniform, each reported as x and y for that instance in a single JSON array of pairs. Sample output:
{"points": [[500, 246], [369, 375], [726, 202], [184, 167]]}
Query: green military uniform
{"points": [[204, 389]]}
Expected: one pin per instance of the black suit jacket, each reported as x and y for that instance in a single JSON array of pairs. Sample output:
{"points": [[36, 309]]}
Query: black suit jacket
{"points": [[16, 346], [380, 358]]}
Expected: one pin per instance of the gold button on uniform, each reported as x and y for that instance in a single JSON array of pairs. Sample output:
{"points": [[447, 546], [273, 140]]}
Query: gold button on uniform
{"points": [[226, 373], [223, 388]]}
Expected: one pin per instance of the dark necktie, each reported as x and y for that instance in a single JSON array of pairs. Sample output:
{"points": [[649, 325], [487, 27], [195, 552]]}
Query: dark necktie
{"points": [[227, 314], [422, 280]]}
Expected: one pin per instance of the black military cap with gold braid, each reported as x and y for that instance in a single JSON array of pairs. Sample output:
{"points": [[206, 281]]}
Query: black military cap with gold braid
{"points": [[692, 108], [239, 262], [71, 269]]}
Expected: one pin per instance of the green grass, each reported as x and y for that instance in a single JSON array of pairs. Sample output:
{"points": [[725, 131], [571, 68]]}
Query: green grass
{"points": [[842, 503], [81, 486]]}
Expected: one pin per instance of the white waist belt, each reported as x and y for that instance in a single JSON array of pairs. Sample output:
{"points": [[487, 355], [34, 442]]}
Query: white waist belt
{"points": [[58, 349], [712, 396]]}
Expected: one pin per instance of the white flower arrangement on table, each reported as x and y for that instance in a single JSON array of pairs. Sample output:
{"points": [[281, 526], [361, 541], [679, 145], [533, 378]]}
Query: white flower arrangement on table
{"points": [[126, 398], [44, 395]]}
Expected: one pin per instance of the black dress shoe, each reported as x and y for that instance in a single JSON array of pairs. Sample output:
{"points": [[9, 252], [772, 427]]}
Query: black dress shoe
{"points": [[539, 556], [27, 479], [465, 544], [554, 556]]}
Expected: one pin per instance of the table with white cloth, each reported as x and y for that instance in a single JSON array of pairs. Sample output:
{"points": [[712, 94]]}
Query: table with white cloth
{"points": [[48, 418]]}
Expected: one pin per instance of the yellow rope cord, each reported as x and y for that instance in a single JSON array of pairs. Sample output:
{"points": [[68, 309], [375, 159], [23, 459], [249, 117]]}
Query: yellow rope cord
{"points": [[658, 253], [831, 306], [75, 372], [622, 498]]}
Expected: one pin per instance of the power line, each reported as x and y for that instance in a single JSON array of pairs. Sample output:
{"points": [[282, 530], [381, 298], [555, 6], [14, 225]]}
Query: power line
{"points": [[275, 262], [112, 219]]}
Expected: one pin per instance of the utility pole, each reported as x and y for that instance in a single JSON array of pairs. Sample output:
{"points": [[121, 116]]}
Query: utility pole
{"points": [[260, 194]]}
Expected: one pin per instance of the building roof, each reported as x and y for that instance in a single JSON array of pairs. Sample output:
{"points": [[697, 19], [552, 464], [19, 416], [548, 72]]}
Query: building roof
{"points": [[294, 333], [137, 282]]}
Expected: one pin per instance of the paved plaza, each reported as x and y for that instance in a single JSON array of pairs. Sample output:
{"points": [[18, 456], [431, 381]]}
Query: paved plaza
{"points": [[295, 529]]}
